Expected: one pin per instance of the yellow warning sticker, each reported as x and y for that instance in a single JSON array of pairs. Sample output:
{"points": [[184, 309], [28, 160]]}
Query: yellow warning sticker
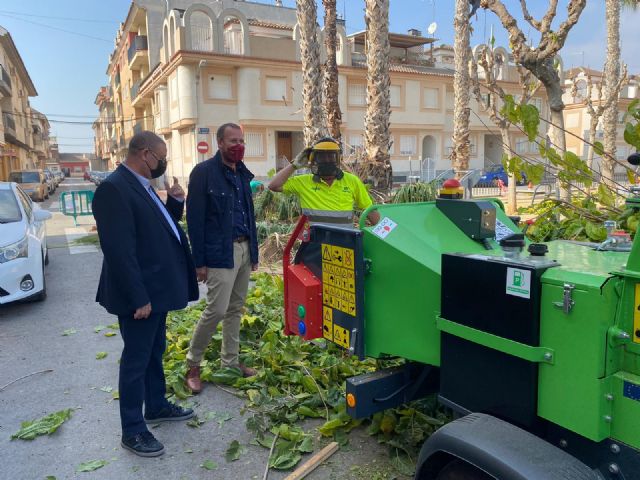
{"points": [[327, 323], [636, 315], [341, 336], [338, 278]]}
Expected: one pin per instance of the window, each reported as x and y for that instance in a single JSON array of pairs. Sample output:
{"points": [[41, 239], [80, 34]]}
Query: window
{"points": [[522, 146], [430, 97], [356, 142], [621, 117], [573, 119], [392, 145], [536, 102], [449, 100], [254, 144], [408, 145], [395, 92], [276, 89], [220, 87], [581, 89], [174, 89], [357, 94], [26, 202]]}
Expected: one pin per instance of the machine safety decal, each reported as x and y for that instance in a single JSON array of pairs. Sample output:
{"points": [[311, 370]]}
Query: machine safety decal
{"points": [[502, 230], [338, 279], [631, 390], [636, 315], [327, 323], [518, 282], [384, 227], [341, 336]]}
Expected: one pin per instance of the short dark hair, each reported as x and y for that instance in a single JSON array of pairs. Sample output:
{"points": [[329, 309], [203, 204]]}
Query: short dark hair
{"points": [[222, 128], [143, 140]]}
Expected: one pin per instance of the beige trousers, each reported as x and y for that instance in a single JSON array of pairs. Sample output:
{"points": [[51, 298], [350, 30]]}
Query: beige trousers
{"points": [[226, 294]]}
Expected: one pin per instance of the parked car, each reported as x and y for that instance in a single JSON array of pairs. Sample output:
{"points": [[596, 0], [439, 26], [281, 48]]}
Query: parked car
{"points": [[51, 182], [33, 182], [496, 173], [23, 246]]}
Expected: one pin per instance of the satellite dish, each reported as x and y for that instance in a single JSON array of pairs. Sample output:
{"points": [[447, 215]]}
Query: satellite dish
{"points": [[432, 28]]}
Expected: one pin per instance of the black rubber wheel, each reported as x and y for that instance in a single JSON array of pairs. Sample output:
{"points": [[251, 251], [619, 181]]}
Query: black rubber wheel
{"points": [[46, 257], [461, 470], [40, 296]]}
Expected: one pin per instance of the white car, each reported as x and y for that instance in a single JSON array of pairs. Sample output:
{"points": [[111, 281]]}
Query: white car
{"points": [[23, 246]]}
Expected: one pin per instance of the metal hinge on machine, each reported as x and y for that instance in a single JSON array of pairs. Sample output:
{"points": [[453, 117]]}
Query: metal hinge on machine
{"points": [[567, 302]]}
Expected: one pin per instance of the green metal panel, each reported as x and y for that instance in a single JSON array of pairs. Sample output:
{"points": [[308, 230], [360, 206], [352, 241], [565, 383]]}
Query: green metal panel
{"points": [[626, 410], [504, 345], [572, 392], [402, 290]]}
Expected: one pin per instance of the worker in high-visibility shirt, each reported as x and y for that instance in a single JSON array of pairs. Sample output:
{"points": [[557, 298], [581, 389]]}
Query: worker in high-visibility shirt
{"points": [[328, 194]]}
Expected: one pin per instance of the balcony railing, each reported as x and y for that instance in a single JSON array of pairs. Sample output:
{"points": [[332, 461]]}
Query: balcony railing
{"points": [[138, 44], [9, 123], [5, 82]]}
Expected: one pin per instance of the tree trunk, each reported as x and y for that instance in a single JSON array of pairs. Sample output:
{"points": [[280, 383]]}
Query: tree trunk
{"points": [[461, 145], [332, 106], [611, 76], [377, 116], [314, 124], [512, 202]]}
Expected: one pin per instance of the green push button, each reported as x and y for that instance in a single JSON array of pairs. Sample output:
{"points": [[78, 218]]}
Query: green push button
{"points": [[301, 311]]}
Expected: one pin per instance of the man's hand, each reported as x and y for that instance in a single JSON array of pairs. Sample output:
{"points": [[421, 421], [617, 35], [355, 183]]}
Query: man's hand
{"points": [[175, 190], [201, 273], [142, 312], [302, 159]]}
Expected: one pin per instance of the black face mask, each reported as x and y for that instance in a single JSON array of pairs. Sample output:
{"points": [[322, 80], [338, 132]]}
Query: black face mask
{"points": [[327, 169], [160, 168]]}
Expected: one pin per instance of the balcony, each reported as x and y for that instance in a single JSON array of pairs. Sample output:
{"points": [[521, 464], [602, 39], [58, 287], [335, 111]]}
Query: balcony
{"points": [[138, 52], [134, 90], [5, 82], [9, 124], [137, 128], [117, 79]]}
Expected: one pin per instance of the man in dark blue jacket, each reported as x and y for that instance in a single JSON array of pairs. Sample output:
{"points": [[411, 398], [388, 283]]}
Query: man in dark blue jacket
{"points": [[222, 230], [147, 271]]}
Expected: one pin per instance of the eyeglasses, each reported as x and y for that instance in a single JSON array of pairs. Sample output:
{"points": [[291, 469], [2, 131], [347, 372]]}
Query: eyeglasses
{"points": [[156, 156]]}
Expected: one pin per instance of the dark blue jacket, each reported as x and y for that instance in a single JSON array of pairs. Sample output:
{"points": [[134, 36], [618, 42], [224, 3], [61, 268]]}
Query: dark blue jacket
{"points": [[143, 260], [210, 214]]}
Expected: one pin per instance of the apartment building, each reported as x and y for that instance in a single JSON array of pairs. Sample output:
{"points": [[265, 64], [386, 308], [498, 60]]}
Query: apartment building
{"points": [[24, 132], [577, 117], [185, 70], [103, 127]]}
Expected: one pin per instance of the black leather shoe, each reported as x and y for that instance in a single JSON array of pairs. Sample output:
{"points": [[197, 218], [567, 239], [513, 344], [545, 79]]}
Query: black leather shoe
{"points": [[172, 413], [143, 444]]}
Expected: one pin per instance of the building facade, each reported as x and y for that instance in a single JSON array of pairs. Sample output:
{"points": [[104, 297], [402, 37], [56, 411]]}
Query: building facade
{"points": [[24, 132], [577, 118], [185, 71], [103, 129]]}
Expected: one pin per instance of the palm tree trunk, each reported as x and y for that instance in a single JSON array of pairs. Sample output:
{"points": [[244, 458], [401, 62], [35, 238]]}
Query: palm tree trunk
{"points": [[377, 116], [314, 124], [332, 105], [611, 76], [461, 84]]}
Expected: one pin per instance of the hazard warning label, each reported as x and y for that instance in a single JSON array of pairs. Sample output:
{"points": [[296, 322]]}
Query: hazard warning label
{"points": [[338, 278]]}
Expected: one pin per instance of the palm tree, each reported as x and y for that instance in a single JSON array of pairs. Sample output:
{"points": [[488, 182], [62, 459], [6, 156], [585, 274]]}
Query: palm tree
{"points": [[377, 116], [612, 84], [461, 87], [314, 124], [331, 104]]}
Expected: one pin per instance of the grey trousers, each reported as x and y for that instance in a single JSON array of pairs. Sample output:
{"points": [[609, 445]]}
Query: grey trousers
{"points": [[226, 294]]}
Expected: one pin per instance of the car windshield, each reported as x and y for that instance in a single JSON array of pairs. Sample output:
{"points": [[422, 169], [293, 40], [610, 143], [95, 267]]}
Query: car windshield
{"points": [[494, 168], [24, 177], [9, 209]]}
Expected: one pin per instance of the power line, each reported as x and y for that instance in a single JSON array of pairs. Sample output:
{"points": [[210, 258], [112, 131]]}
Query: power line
{"points": [[44, 25], [91, 20]]}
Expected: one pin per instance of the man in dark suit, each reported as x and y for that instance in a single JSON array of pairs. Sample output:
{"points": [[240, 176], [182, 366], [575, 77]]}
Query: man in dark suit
{"points": [[146, 272]]}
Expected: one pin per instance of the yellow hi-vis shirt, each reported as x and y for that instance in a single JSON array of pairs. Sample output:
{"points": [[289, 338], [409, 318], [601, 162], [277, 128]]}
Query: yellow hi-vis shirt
{"points": [[322, 203]]}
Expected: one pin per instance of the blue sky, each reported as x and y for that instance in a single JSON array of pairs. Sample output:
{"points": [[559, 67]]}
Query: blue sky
{"points": [[68, 68]]}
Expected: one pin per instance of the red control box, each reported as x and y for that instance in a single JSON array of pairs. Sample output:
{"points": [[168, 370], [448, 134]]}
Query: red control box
{"points": [[303, 302]]}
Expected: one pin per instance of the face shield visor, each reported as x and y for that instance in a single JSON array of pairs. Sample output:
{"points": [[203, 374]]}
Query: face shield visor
{"points": [[325, 163]]}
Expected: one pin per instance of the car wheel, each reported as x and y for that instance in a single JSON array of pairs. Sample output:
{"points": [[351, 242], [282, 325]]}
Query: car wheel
{"points": [[46, 257], [39, 297]]}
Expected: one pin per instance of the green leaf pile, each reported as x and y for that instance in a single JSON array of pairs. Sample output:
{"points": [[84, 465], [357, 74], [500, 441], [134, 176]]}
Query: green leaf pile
{"points": [[297, 380], [42, 426], [101, 355]]}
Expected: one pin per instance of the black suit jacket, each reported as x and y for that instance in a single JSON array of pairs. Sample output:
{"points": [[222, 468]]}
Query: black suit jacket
{"points": [[143, 260]]}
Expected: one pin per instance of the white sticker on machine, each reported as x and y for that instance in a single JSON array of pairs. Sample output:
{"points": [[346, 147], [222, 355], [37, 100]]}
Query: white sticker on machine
{"points": [[502, 230], [519, 282], [384, 227]]}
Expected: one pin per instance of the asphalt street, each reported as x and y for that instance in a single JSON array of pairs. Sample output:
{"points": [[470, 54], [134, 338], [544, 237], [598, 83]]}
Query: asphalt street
{"points": [[32, 340]]}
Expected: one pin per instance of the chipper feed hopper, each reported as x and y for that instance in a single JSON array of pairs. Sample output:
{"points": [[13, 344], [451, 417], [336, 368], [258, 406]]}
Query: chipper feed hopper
{"points": [[535, 347]]}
